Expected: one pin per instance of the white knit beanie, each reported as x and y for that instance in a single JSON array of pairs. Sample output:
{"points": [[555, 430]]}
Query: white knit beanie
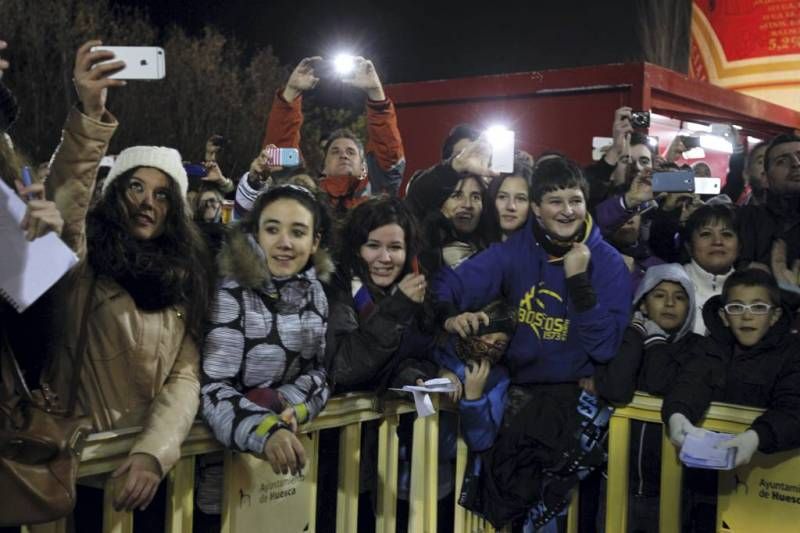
{"points": [[167, 160]]}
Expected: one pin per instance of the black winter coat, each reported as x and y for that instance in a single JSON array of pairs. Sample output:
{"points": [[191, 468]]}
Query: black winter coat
{"points": [[384, 349]]}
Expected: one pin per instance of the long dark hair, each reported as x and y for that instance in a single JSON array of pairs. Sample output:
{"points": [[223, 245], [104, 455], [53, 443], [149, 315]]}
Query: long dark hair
{"points": [[361, 221], [178, 261]]}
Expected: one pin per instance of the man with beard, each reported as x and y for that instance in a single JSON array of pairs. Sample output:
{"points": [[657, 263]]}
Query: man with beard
{"points": [[770, 233]]}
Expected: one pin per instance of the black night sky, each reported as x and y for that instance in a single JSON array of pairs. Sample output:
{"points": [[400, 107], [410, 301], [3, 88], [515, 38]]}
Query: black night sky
{"points": [[414, 41]]}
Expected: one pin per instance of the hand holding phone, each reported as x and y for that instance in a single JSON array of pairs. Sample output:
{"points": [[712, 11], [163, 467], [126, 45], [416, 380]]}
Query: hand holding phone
{"points": [[282, 157], [680, 181], [363, 76], [303, 78], [92, 78], [141, 62]]}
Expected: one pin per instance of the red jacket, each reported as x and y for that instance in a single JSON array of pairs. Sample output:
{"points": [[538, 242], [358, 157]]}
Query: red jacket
{"points": [[384, 155]]}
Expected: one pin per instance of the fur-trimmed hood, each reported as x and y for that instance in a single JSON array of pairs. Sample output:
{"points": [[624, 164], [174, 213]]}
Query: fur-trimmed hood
{"points": [[242, 259]]}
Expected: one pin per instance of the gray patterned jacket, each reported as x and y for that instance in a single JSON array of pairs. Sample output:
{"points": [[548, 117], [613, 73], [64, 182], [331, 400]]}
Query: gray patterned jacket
{"points": [[263, 333]]}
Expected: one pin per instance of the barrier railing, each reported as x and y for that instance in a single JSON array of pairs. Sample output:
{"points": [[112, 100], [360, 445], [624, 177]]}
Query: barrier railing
{"points": [[720, 417], [104, 452]]}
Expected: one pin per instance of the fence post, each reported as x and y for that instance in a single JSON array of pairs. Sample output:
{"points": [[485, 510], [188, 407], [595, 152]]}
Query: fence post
{"points": [[388, 449], [114, 521], [573, 512], [459, 513], [347, 493], [425, 472], [180, 496], [619, 429], [669, 510]]}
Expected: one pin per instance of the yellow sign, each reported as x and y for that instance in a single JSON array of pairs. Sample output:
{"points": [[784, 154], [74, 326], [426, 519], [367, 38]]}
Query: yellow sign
{"points": [[259, 500], [762, 496]]}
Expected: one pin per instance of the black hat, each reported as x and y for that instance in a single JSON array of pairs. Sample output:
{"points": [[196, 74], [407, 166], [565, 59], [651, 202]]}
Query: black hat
{"points": [[9, 109]]}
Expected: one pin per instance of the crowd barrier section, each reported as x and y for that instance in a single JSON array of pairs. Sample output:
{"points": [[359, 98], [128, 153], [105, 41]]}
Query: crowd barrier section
{"points": [[248, 481], [762, 496]]}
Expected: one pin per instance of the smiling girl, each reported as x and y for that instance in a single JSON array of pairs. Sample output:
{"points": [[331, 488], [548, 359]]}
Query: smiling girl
{"points": [[376, 298], [263, 357]]}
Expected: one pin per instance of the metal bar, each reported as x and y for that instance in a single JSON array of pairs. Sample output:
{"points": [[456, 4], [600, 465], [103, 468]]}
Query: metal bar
{"points": [[573, 511], [388, 449], [459, 513], [312, 473], [228, 497], [617, 486], [114, 521], [669, 509], [180, 497], [424, 473], [347, 493]]}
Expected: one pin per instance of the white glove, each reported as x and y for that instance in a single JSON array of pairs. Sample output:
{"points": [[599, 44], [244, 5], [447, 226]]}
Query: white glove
{"points": [[746, 444], [679, 427]]}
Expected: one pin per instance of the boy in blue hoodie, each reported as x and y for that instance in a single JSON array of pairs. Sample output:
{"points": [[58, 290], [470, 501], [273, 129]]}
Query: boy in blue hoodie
{"points": [[571, 288], [572, 294]]}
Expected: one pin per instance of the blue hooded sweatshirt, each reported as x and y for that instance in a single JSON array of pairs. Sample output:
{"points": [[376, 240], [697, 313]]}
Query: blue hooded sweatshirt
{"points": [[553, 342]]}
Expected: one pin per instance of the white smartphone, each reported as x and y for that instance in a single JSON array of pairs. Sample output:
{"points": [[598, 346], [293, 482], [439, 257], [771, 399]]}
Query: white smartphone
{"points": [[502, 141], [141, 62], [707, 185]]}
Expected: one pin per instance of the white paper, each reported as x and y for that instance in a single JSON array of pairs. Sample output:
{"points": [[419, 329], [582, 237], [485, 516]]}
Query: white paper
{"points": [[27, 269], [700, 450], [421, 393]]}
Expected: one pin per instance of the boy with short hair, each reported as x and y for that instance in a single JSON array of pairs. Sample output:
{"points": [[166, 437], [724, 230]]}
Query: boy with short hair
{"points": [[750, 358]]}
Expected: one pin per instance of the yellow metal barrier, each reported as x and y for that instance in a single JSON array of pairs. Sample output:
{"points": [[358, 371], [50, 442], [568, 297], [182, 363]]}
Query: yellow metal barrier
{"points": [[105, 451], [720, 417]]}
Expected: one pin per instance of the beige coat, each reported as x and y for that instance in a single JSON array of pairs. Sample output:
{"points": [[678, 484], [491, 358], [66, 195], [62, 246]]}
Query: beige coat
{"points": [[140, 369]]}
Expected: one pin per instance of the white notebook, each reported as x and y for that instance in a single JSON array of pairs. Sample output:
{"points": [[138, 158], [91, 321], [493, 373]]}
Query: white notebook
{"points": [[27, 269]]}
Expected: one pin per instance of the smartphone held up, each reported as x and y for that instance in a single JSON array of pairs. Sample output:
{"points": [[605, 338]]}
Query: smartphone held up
{"points": [[502, 141], [685, 181], [141, 62]]}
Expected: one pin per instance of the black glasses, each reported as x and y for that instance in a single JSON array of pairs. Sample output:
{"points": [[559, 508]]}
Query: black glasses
{"points": [[211, 202], [740, 309]]}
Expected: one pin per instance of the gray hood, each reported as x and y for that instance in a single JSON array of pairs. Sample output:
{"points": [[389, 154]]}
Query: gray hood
{"points": [[669, 272]]}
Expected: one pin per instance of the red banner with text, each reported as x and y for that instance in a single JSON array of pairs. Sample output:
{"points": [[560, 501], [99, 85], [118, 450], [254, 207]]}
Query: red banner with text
{"points": [[752, 46]]}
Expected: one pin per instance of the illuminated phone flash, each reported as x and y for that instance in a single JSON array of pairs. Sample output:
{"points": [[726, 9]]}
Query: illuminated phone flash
{"points": [[499, 136], [344, 64], [502, 141]]}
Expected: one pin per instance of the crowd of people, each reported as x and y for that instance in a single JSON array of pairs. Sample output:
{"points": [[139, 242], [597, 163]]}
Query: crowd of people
{"points": [[546, 295]]}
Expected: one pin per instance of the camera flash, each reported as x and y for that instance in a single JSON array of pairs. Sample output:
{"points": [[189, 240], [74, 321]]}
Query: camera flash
{"points": [[499, 136], [344, 63]]}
